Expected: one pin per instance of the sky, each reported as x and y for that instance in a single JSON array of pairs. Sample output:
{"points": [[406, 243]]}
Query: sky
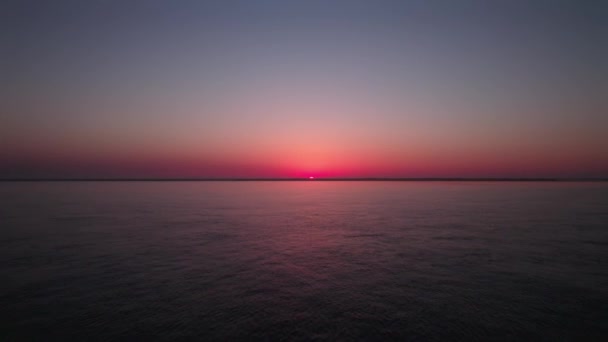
{"points": [[285, 88]]}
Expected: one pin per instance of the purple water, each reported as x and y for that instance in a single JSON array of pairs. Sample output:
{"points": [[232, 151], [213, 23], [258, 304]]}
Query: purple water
{"points": [[304, 260]]}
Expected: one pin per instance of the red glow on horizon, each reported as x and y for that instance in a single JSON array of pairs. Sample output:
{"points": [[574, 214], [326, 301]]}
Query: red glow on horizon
{"points": [[62, 163]]}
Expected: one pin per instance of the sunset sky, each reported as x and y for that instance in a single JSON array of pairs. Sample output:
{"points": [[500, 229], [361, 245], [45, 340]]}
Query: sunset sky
{"points": [[280, 88]]}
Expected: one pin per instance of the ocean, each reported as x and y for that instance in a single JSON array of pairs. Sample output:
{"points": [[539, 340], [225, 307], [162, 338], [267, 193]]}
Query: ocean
{"points": [[304, 260]]}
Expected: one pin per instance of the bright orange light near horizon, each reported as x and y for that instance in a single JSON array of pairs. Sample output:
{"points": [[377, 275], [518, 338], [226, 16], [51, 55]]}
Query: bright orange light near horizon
{"points": [[311, 177]]}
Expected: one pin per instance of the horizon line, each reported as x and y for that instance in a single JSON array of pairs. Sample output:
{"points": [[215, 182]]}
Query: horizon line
{"points": [[279, 179]]}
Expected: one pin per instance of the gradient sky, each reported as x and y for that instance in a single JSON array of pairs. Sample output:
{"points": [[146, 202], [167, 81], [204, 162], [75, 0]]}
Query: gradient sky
{"points": [[280, 88]]}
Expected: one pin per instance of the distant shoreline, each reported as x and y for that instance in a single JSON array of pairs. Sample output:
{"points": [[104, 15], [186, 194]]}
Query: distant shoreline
{"points": [[429, 179]]}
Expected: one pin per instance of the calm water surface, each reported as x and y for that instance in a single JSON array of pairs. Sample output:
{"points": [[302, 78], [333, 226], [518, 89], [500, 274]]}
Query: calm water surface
{"points": [[304, 260]]}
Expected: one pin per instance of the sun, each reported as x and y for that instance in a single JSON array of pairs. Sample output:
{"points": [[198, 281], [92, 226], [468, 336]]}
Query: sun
{"points": [[311, 177]]}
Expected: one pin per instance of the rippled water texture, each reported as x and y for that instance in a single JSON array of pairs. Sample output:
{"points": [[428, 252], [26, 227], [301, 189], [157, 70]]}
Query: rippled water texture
{"points": [[304, 260]]}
